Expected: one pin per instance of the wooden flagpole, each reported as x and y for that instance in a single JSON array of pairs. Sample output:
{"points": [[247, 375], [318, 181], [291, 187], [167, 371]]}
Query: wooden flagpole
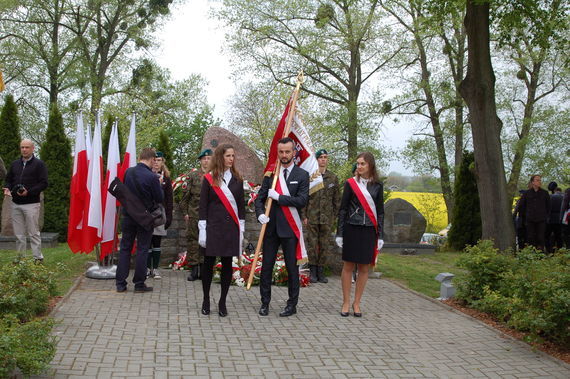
{"points": [[269, 201]]}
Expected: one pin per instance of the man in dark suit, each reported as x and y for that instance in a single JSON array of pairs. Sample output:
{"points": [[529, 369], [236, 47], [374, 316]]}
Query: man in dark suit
{"points": [[146, 185], [279, 231]]}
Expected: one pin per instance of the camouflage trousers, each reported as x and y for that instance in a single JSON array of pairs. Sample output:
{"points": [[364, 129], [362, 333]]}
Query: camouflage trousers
{"points": [[194, 253], [319, 243]]}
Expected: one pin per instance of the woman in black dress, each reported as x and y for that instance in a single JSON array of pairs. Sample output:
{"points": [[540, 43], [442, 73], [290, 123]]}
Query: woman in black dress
{"points": [[221, 222], [360, 224]]}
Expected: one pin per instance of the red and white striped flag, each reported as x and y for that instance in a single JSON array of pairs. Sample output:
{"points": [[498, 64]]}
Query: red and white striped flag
{"points": [[93, 217], [130, 158], [305, 154], [78, 189], [109, 201]]}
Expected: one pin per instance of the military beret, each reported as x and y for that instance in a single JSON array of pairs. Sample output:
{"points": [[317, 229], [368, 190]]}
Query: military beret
{"points": [[321, 152], [205, 153], [159, 154]]}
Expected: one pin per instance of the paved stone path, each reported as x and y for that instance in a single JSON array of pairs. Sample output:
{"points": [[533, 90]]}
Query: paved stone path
{"points": [[163, 335]]}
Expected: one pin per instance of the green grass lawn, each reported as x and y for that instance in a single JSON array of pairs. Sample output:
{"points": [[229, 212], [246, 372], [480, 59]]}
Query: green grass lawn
{"points": [[74, 264], [418, 272]]}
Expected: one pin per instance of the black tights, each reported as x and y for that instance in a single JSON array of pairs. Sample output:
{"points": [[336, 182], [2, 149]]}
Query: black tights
{"points": [[226, 278]]}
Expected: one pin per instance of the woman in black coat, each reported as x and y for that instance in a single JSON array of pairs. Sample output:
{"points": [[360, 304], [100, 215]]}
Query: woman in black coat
{"points": [[153, 260], [221, 222], [359, 233]]}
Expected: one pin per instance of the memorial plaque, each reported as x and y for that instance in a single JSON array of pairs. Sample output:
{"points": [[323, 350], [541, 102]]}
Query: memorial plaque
{"points": [[402, 218]]}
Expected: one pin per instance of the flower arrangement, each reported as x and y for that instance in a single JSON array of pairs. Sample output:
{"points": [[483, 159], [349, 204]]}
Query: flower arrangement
{"points": [[181, 181], [242, 269], [180, 263]]}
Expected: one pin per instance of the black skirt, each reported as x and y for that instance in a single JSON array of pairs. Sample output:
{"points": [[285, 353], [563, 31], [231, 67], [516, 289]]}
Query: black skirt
{"points": [[358, 243]]}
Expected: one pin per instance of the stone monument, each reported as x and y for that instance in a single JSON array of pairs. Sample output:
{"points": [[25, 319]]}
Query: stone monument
{"points": [[247, 163], [403, 223]]}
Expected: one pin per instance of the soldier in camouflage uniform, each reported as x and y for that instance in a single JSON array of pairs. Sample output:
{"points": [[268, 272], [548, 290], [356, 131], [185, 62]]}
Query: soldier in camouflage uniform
{"points": [[189, 205], [321, 213]]}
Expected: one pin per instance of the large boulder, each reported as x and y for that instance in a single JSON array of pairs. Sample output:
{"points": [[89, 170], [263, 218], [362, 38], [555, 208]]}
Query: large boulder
{"points": [[403, 223], [247, 163]]}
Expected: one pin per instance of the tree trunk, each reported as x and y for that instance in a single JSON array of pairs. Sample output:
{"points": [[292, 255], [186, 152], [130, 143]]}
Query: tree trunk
{"points": [[437, 131], [478, 90]]}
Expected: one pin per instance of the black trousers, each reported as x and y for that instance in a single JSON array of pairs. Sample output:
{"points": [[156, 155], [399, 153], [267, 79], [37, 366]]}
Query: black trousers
{"points": [[271, 243], [131, 231], [535, 232], [553, 237]]}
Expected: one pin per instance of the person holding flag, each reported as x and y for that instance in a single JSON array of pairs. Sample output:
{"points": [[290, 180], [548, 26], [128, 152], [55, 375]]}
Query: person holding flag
{"points": [[284, 225], [222, 222], [360, 228]]}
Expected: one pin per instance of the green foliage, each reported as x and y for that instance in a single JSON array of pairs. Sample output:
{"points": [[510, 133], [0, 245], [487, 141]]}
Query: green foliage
{"points": [[486, 266], [530, 292], [466, 218], [30, 347], [9, 131], [25, 288], [164, 147], [56, 153]]}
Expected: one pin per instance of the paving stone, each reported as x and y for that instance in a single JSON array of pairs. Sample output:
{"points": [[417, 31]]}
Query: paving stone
{"points": [[162, 334]]}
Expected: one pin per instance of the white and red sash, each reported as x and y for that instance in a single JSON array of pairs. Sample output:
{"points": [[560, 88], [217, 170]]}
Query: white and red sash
{"points": [[294, 221], [226, 197], [368, 205]]}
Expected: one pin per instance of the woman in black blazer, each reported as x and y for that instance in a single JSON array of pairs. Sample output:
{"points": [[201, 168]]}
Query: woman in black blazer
{"points": [[221, 222], [360, 225]]}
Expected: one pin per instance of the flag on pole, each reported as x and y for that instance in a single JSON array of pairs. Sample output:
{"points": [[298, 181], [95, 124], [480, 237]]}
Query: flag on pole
{"points": [[305, 156], [130, 158], [88, 142], [109, 201], [78, 189], [93, 217]]}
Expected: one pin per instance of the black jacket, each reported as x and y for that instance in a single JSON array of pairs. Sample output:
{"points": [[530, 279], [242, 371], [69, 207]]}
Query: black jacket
{"points": [[150, 191], [352, 212], [32, 175], [534, 205], [554, 216], [298, 185]]}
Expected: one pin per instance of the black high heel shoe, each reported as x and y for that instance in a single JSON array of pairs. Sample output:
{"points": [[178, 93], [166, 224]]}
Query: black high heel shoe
{"points": [[344, 314], [356, 314], [206, 307], [222, 310]]}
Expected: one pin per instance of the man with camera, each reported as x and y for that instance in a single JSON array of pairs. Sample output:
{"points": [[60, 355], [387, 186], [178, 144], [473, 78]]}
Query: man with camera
{"points": [[26, 179]]}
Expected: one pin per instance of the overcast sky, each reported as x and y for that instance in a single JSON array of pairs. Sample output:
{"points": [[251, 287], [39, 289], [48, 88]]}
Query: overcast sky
{"points": [[191, 42]]}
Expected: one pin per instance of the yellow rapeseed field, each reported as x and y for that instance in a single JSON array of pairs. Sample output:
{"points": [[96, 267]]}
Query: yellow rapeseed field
{"points": [[430, 205]]}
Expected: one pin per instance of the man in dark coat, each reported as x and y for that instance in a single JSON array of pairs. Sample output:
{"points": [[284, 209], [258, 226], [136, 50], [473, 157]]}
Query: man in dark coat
{"points": [[26, 179], [534, 206], [144, 184], [553, 236], [279, 231]]}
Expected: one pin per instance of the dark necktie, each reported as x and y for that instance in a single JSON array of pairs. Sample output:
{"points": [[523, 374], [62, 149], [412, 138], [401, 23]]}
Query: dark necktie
{"points": [[285, 174]]}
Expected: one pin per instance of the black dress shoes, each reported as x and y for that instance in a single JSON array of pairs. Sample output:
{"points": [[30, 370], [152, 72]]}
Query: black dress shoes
{"points": [[194, 273], [264, 310], [143, 289], [288, 311], [206, 307], [222, 310]]}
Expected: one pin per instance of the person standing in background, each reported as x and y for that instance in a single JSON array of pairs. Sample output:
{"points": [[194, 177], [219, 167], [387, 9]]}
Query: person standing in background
{"points": [[534, 206], [25, 180], [153, 261], [189, 205]]}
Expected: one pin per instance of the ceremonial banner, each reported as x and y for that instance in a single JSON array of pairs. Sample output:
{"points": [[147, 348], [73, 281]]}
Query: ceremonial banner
{"points": [[78, 189], [109, 201], [305, 152], [93, 217]]}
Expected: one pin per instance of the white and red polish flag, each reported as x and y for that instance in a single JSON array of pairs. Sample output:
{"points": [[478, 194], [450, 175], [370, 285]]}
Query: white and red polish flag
{"points": [[109, 201], [93, 217], [88, 142], [305, 154], [130, 158], [78, 189]]}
